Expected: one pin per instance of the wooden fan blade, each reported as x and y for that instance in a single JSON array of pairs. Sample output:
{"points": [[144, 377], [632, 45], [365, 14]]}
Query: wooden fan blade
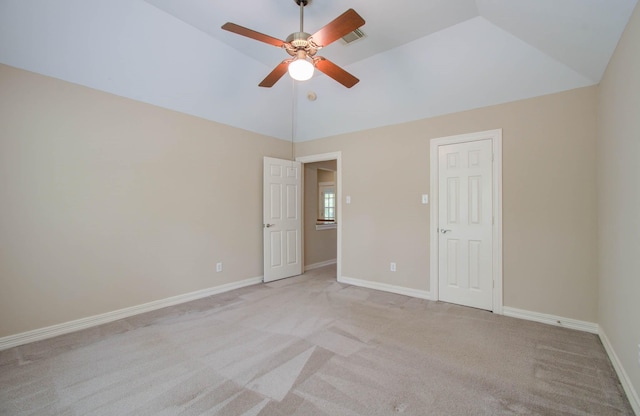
{"points": [[240, 30], [275, 75], [346, 23], [334, 71]]}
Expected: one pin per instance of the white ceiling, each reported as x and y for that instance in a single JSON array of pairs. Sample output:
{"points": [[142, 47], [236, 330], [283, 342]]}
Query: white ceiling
{"points": [[419, 59]]}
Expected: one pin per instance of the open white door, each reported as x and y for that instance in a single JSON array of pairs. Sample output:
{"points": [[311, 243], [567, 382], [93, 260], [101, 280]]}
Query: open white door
{"points": [[465, 223], [282, 218]]}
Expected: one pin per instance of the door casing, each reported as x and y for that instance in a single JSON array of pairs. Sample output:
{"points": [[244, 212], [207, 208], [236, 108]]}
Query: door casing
{"points": [[496, 137]]}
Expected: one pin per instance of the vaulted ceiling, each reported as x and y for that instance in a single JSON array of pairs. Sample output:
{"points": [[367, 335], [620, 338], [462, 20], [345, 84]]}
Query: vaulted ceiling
{"points": [[419, 58]]}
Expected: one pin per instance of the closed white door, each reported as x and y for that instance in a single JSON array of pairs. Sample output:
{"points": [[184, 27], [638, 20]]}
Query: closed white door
{"points": [[282, 219], [465, 223]]}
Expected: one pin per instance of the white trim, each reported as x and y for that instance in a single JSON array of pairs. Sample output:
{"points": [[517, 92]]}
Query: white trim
{"points": [[320, 264], [551, 319], [337, 156], [322, 227], [91, 321], [496, 138], [400, 290], [632, 394]]}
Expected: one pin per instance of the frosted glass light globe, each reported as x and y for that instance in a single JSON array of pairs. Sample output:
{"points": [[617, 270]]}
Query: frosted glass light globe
{"points": [[301, 69]]}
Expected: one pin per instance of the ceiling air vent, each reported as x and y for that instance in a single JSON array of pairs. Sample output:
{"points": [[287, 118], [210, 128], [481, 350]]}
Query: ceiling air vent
{"points": [[353, 36]]}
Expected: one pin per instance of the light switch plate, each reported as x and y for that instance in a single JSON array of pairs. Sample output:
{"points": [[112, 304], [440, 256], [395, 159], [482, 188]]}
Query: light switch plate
{"points": [[348, 199], [425, 199]]}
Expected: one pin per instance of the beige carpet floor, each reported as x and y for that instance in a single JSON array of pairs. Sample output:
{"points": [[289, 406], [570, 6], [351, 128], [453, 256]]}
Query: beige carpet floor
{"points": [[311, 346]]}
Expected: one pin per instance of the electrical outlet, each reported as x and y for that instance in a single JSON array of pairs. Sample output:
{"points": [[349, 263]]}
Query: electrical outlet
{"points": [[392, 267], [218, 267]]}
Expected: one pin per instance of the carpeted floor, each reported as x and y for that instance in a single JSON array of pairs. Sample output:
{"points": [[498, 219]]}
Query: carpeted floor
{"points": [[311, 346]]}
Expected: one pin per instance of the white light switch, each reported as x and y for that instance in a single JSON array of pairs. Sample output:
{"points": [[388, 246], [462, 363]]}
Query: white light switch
{"points": [[425, 199], [348, 199]]}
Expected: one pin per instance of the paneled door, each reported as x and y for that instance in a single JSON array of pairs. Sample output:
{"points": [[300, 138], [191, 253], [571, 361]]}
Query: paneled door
{"points": [[282, 218], [465, 221]]}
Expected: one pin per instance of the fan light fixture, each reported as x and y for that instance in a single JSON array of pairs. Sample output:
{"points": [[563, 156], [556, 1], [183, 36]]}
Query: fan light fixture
{"points": [[301, 69], [302, 47]]}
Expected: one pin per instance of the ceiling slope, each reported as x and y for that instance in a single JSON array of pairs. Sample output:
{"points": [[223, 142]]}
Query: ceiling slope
{"points": [[470, 65], [419, 59], [132, 49], [579, 33]]}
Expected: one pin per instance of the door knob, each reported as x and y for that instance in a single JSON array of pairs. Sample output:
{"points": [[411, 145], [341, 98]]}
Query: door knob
{"points": [[444, 231], [268, 225]]}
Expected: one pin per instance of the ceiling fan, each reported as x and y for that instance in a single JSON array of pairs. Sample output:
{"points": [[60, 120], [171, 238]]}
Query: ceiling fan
{"points": [[303, 48]]}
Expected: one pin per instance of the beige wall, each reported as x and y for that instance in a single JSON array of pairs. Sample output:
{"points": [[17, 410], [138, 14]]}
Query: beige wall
{"points": [[319, 245], [107, 203], [619, 201], [549, 199], [327, 175]]}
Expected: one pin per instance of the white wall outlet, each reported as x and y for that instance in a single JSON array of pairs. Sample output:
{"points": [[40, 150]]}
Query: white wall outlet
{"points": [[425, 199], [348, 199], [218, 267], [392, 267]]}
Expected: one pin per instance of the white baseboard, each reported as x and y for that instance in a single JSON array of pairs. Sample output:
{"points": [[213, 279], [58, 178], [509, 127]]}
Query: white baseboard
{"points": [[551, 319], [385, 287], [318, 265], [632, 394], [72, 326]]}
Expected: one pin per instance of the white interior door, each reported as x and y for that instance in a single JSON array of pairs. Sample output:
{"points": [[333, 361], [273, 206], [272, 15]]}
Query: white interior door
{"points": [[465, 224], [282, 218]]}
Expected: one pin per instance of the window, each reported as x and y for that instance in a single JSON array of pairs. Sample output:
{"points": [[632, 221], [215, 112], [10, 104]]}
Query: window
{"points": [[327, 200], [326, 191], [326, 206]]}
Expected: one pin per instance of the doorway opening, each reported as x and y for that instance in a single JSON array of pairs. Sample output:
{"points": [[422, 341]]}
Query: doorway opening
{"points": [[322, 207]]}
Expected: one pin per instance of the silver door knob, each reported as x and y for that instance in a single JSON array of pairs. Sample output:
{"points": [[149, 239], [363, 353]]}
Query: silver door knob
{"points": [[268, 225], [444, 231]]}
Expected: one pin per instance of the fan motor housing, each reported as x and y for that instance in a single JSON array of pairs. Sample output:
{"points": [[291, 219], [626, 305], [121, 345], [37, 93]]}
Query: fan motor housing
{"points": [[299, 42], [298, 39]]}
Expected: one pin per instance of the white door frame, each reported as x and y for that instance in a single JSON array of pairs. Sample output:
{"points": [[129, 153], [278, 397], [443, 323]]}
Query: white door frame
{"points": [[337, 156], [496, 139]]}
